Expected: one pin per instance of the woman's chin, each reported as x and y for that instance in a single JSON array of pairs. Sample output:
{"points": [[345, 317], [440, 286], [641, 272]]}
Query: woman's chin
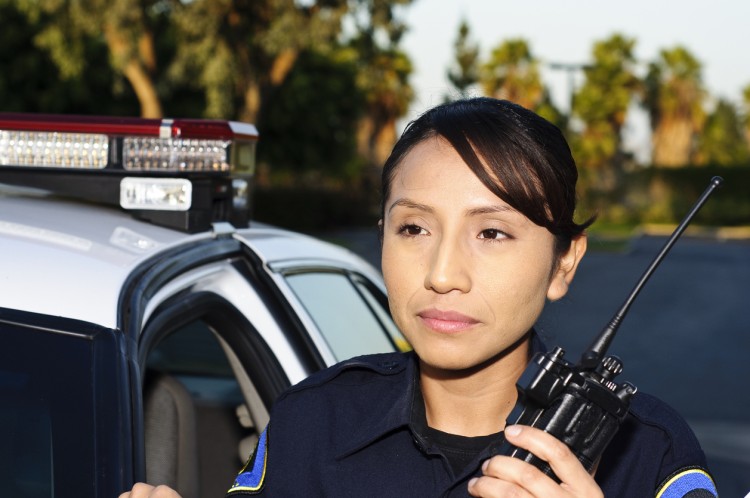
{"points": [[450, 361], [462, 358]]}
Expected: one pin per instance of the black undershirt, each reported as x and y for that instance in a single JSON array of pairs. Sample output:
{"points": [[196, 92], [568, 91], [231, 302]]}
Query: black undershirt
{"points": [[460, 450]]}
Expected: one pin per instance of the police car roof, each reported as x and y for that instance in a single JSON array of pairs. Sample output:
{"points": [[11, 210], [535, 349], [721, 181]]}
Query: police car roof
{"points": [[67, 258]]}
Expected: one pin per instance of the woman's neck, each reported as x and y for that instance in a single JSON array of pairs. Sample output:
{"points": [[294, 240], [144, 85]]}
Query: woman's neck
{"points": [[475, 402]]}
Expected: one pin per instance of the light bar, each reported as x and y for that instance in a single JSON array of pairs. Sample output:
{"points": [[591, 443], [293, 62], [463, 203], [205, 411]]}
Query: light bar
{"points": [[53, 149], [179, 173], [131, 144], [175, 154]]}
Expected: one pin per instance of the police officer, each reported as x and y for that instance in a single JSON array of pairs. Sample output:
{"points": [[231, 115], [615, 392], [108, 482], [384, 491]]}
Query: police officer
{"points": [[478, 232]]}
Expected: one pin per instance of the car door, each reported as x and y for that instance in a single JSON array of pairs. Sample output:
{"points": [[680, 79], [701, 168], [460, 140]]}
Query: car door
{"points": [[64, 418], [223, 337], [210, 361]]}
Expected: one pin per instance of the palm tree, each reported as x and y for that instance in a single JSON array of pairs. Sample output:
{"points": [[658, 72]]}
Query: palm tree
{"points": [[384, 80], [512, 73], [722, 140], [674, 99], [602, 104], [465, 71], [382, 76]]}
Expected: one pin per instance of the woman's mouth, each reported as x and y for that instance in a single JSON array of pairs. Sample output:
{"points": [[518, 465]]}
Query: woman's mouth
{"points": [[446, 321]]}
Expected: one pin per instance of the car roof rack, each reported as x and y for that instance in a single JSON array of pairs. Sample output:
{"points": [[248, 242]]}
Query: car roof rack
{"points": [[179, 173]]}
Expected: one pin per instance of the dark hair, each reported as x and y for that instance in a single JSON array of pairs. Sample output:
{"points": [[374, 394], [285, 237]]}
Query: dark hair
{"points": [[521, 157]]}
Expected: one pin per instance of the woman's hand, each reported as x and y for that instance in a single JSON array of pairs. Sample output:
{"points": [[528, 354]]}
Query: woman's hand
{"points": [[143, 490], [505, 476]]}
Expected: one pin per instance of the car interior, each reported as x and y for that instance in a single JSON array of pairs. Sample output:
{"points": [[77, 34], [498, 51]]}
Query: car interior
{"points": [[202, 414]]}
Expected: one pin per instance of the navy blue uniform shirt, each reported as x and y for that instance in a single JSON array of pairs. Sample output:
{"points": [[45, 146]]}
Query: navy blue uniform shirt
{"points": [[357, 430]]}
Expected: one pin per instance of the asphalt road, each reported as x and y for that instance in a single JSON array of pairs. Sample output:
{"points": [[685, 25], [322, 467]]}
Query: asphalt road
{"points": [[686, 338]]}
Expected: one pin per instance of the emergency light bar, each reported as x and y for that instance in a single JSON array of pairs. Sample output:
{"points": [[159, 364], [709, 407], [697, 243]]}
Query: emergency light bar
{"points": [[181, 173]]}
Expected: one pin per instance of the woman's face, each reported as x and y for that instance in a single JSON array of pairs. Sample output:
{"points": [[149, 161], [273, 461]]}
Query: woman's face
{"points": [[467, 275]]}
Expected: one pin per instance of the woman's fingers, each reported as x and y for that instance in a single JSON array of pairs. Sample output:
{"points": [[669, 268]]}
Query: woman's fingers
{"points": [[143, 490], [561, 459], [511, 477]]}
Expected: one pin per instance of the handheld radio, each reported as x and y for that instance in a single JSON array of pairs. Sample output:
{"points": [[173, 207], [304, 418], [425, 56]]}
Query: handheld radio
{"points": [[581, 404]]}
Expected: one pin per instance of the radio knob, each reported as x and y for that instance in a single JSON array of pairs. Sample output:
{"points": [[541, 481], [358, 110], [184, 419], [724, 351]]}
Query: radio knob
{"points": [[613, 365], [610, 367]]}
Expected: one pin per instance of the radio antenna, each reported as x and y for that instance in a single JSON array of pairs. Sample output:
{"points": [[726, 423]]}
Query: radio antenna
{"points": [[593, 356]]}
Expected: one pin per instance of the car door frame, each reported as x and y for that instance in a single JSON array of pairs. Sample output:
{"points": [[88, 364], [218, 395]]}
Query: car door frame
{"points": [[157, 288]]}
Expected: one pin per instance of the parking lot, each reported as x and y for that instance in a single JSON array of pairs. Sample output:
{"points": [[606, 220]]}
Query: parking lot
{"points": [[686, 339]]}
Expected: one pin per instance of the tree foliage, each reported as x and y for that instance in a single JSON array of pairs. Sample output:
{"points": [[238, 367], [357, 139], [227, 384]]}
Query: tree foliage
{"points": [[722, 141], [238, 52], [602, 102], [382, 76], [66, 29], [323, 142], [674, 98], [464, 71], [512, 73]]}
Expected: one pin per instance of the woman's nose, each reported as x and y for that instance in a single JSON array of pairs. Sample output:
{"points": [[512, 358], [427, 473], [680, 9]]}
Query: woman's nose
{"points": [[447, 268]]}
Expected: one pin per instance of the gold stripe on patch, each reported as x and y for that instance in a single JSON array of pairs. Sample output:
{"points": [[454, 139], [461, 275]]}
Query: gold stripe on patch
{"points": [[677, 476]]}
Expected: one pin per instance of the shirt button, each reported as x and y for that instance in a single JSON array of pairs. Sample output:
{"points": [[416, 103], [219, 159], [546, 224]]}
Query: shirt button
{"points": [[388, 365]]}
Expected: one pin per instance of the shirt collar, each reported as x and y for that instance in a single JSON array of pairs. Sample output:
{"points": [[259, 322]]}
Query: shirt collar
{"points": [[404, 408], [394, 413]]}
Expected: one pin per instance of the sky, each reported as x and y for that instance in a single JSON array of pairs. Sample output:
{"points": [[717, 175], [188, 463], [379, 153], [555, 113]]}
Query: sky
{"points": [[717, 33]]}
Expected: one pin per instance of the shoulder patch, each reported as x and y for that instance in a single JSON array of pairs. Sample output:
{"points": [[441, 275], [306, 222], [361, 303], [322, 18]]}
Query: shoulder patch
{"points": [[692, 482], [252, 477]]}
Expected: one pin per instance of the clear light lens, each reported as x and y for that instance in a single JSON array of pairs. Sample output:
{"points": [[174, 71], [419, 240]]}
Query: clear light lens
{"points": [[160, 194], [240, 193], [53, 149], [175, 154]]}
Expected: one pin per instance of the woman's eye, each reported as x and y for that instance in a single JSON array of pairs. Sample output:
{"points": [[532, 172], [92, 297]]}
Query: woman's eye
{"points": [[411, 230], [492, 233]]}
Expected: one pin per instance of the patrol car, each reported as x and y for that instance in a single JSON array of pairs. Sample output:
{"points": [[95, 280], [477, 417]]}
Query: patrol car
{"points": [[145, 328]]}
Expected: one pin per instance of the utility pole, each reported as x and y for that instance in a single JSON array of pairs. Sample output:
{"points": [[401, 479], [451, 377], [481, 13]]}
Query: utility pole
{"points": [[571, 69]]}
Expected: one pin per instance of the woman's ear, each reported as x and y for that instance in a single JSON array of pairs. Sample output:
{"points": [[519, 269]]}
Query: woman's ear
{"points": [[566, 268], [380, 231]]}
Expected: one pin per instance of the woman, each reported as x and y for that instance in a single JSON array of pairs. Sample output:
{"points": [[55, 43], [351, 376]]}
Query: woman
{"points": [[477, 232]]}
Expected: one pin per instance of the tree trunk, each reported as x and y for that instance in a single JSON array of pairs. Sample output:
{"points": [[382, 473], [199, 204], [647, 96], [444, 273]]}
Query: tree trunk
{"points": [[365, 128], [282, 65], [384, 142], [258, 95], [375, 139], [144, 90], [672, 143], [134, 71], [251, 107]]}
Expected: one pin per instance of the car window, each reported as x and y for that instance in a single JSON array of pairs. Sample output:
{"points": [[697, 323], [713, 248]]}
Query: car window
{"points": [[190, 350], [47, 445], [26, 432], [378, 304], [347, 313]]}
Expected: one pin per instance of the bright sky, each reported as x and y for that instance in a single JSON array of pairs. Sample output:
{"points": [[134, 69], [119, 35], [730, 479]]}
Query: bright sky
{"points": [[717, 33]]}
